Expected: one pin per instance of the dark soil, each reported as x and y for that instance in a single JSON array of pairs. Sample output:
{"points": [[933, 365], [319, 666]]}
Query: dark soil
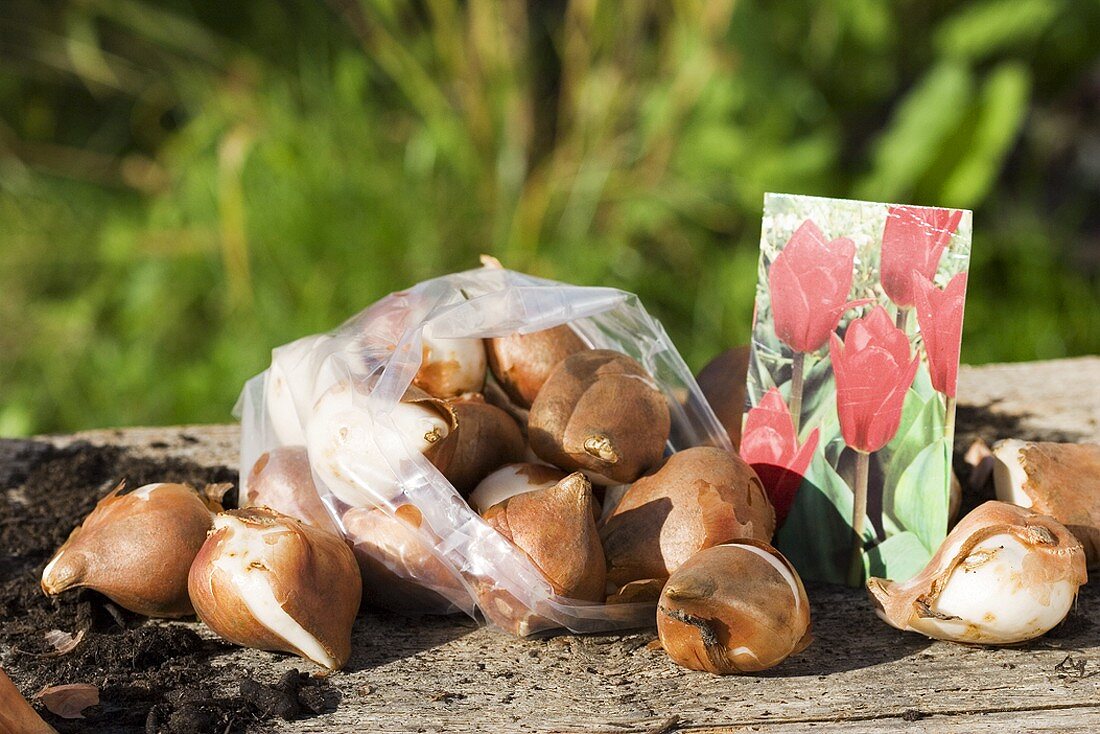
{"points": [[153, 676]]}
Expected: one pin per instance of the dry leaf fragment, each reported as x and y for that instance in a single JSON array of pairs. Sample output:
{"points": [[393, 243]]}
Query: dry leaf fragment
{"points": [[69, 701], [64, 642]]}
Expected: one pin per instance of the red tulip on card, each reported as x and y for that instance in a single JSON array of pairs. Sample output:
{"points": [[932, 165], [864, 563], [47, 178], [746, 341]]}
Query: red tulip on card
{"points": [[874, 368], [770, 445], [940, 315], [912, 242], [809, 283]]}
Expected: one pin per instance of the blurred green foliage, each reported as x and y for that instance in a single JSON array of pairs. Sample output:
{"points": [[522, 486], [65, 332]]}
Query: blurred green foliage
{"points": [[185, 184]]}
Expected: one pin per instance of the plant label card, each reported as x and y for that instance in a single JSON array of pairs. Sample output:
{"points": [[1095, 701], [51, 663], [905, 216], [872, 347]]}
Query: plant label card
{"points": [[852, 377]]}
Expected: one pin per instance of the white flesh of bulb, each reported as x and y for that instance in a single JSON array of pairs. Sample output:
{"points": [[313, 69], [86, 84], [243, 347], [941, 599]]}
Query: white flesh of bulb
{"points": [[469, 354], [343, 442], [500, 485], [991, 598], [241, 559], [1009, 476], [290, 387]]}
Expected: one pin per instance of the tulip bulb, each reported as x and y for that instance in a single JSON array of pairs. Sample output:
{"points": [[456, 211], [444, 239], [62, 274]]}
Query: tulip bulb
{"points": [[1003, 575], [513, 479], [556, 528], [399, 570], [521, 363], [136, 548], [451, 367], [1057, 479], [701, 497], [734, 608], [297, 373], [16, 715], [268, 581], [486, 438], [600, 412], [282, 480], [722, 381], [345, 445]]}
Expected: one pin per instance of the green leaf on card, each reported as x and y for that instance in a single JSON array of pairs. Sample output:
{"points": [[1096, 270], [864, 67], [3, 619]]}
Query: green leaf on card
{"points": [[899, 557], [817, 537], [922, 422], [920, 497]]}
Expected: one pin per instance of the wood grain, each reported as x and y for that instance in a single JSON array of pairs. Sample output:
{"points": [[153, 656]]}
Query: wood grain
{"points": [[447, 675]]}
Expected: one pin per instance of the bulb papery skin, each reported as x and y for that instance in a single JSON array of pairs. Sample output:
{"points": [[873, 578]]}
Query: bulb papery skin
{"points": [[1004, 575], [451, 367], [521, 363], [271, 582], [354, 453], [282, 480], [136, 548], [399, 570], [1057, 479], [556, 528], [510, 480], [600, 412], [734, 608], [701, 497], [722, 381], [485, 439]]}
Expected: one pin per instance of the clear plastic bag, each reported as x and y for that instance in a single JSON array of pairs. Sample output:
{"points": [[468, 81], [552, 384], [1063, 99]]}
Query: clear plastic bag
{"points": [[366, 365]]}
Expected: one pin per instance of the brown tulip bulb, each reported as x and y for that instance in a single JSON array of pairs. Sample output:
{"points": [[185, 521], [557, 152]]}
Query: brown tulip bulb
{"points": [[701, 497], [271, 582], [555, 527], [399, 570], [1057, 479], [486, 438], [600, 412], [521, 363], [282, 480], [1003, 575], [16, 715], [722, 381], [513, 479], [136, 548], [734, 608]]}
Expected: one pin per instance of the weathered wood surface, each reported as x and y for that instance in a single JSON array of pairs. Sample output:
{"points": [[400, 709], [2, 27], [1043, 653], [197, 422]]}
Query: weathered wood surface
{"points": [[445, 675]]}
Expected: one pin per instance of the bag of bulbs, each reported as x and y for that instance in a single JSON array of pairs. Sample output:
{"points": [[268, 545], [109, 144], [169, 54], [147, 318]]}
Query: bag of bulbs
{"points": [[467, 434]]}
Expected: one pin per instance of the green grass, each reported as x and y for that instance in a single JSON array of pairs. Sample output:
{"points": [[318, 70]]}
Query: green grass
{"points": [[184, 187]]}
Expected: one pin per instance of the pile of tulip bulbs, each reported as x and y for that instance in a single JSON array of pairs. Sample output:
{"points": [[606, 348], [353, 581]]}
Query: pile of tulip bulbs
{"points": [[561, 449]]}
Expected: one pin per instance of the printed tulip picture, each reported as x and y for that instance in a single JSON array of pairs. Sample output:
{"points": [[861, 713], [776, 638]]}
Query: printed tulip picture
{"points": [[852, 380]]}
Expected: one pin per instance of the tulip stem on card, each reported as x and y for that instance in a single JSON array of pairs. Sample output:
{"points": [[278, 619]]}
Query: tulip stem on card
{"points": [[797, 364], [903, 317], [949, 428], [859, 512]]}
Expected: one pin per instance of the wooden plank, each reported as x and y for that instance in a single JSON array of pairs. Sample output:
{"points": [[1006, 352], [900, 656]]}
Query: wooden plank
{"points": [[446, 675]]}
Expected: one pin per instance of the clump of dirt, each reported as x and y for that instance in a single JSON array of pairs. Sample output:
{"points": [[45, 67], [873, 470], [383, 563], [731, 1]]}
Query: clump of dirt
{"points": [[154, 676]]}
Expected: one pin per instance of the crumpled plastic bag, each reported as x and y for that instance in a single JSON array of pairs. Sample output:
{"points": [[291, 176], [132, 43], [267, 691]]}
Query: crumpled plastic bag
{"points": [[371, 361]]}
